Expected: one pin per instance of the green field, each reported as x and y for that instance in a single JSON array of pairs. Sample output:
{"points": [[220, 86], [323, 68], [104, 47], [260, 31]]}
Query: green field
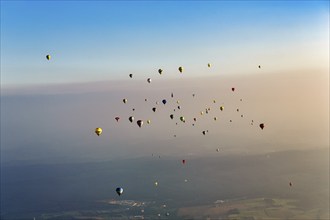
{"points": [[253, 209]]}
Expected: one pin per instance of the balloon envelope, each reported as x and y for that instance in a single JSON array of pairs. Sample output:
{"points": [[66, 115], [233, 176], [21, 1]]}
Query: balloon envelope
{"points": [[139, 123], [119, 191], [98, 131]]}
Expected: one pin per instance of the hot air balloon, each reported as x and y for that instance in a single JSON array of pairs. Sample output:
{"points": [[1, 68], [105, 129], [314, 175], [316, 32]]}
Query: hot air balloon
{"points": [[160, 71], [149, 80], [290, 184], [171, 116], [262, 125], [148, 121], [179, 107], [214, 101], [156, 183], [233, 89], [117, 118], [130, 75], [183, 161], [215, 118], [125, 101], [131, 119], [259, 67], [222, 108], [98, 131], [218, 149], [209, 65], [237, 110], [195, 119], [180, 69], [154, 109], [178, 101], [164, 101], [182, 119], [204, 132], [172, 95], [145, 100], [139, 123], [48, 57], [119, 191]]}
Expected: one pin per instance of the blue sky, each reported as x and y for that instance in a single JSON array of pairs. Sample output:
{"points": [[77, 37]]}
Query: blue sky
{"points": [[105, 40]]}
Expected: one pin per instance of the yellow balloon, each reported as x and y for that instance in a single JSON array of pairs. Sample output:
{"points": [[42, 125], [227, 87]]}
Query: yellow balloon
{"points": [[98, 131]]}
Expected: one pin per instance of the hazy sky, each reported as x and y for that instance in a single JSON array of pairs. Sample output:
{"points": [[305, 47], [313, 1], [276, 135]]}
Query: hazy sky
{"points": [[103, 40], [49, 109]]}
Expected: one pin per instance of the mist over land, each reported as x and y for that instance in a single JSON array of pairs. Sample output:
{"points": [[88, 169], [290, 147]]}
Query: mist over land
{"points": [[52, 162], [56, 123]]}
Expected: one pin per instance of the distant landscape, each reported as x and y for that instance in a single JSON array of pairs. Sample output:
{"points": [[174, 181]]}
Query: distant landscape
{"points": [[225, 186], [182, 110]]}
